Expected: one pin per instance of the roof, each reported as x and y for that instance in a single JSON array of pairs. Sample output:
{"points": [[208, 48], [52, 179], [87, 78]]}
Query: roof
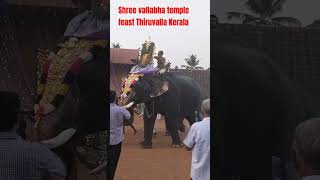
{"points": [[123, 56], [202, 77], [315, 24]]}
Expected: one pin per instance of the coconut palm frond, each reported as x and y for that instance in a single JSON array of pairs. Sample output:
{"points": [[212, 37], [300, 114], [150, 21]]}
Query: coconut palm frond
{"points": [[188, 61], [192, 62], [277, 6], [264, 8], [254, 6]]}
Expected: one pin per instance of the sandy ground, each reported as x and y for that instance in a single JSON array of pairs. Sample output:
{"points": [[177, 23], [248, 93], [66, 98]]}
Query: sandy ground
{"points": [[160, 163]]}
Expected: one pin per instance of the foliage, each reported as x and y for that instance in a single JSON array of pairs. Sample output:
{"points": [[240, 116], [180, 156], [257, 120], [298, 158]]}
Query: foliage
{"points": [[192, 62], [263, 14], [116, 45]]}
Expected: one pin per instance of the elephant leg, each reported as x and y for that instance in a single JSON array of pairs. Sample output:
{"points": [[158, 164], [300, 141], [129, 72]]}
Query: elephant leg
{"points": [[182, 127], [73, 169], [67, 155], [173, 125], [191, 118], [134, 129], [148, 131], [167, 128]]}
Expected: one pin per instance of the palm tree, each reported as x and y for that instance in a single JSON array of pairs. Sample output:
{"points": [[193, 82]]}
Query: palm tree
{"points": [[192, 62], [116, 45], [263, 11], [314, 25]]}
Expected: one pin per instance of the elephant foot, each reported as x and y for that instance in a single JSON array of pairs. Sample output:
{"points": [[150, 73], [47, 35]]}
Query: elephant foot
{"points": [[177, 145], [144, 145], [154, 135]]}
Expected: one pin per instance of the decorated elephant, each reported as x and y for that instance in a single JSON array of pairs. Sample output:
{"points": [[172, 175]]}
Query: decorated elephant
{"points": [[71, 105], [171, 94], [256, 109], [74, 113]]}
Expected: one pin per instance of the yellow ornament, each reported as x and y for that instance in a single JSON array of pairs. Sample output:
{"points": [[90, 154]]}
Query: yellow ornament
{"points": [[61, 63], [131, 79]]}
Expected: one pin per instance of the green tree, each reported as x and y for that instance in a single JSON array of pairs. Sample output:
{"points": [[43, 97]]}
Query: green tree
{"points": [[116, 45], [263, 14], [192, 62]]}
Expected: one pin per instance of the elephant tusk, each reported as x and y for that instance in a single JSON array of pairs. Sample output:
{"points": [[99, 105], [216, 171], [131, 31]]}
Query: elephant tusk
{"points": [[128, 105], [98, 169], [60, 139]]}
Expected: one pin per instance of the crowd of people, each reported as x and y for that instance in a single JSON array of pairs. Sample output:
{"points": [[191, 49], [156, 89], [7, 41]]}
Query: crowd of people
{"points": [[197, 139], [20, 159], [25, 160]]}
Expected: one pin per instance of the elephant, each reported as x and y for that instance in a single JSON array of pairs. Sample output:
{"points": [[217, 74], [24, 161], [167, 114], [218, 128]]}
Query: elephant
{"points": [[83, 111], [256, 109], [171, 94]]}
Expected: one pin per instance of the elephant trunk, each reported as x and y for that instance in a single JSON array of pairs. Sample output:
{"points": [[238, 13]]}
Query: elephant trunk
{"points": [[60, 139]]}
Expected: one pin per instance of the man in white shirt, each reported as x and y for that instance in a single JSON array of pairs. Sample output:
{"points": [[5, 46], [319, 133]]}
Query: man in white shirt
{"points": [[306, 148], [198, 140], [117, 115]]}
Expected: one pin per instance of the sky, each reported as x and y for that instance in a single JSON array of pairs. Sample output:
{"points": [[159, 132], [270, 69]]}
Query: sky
{"points": [[305, 10], [176, 42]]}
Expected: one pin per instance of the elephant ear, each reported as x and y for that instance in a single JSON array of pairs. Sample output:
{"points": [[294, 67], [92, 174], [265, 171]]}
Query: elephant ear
{"points": [[159, 87]]}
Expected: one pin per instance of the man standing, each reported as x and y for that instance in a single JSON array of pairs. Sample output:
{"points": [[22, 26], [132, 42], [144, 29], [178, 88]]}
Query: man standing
{"points": [[198, 140], [306, 148], [18, 158], [117, 115]]}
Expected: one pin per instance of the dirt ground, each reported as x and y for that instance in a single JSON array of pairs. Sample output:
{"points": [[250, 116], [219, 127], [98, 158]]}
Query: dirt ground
{"points": [[160, 163]]}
